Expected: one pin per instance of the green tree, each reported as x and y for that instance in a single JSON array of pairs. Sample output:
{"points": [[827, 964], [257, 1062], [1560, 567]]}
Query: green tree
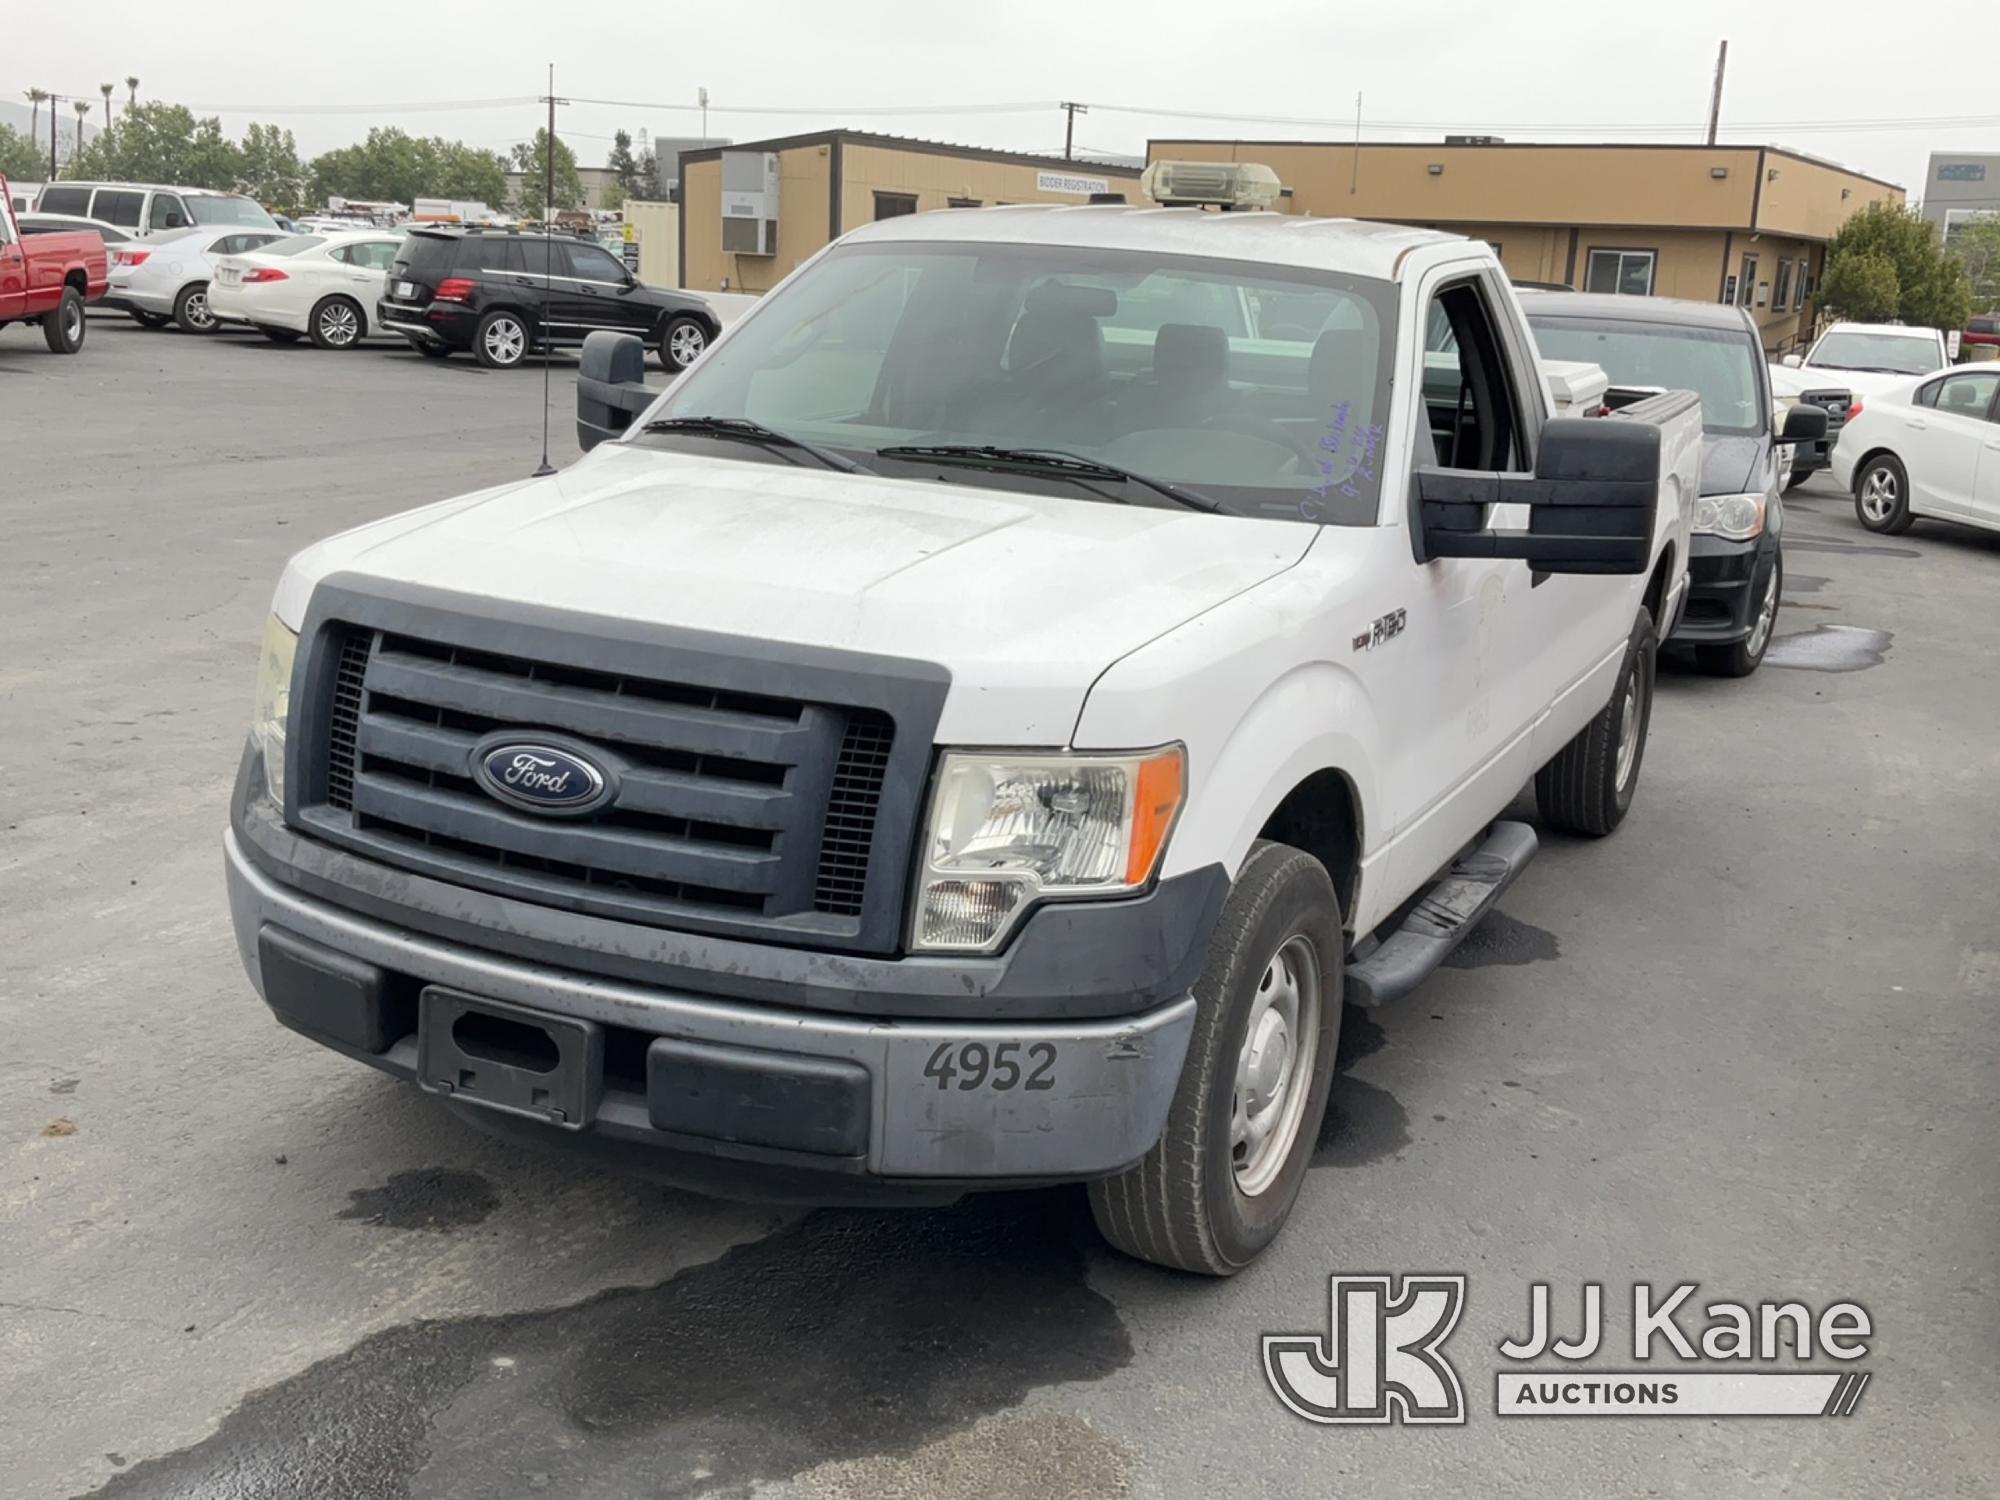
{"points": [[154, 142], [530, 161], [21, 160], [626, 165], [399, 168], [1977, 246], [1931, 290], [269, 169]]}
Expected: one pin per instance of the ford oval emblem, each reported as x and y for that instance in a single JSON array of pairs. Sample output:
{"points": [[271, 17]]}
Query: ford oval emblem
{"points": [[539, 776]]}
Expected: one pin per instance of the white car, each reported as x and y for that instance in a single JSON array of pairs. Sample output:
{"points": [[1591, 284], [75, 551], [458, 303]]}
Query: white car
{"points": [[322, 286], [1929, 447], [1869, 358], [165, 279]]}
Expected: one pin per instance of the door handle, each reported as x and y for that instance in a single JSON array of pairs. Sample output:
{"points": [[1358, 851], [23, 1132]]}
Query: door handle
{"points": [[1993, 447], [1916, 426]]}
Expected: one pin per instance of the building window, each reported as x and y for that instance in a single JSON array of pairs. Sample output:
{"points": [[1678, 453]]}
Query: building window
{"points": [[1746, 284], [1781, 292], [1629, 272], [962, 203], [1804, 287], [894, 205], [1729, 290]]}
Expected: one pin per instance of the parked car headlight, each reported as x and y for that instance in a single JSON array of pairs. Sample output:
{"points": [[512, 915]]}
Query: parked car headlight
{"points": [[1737, 517], [274, 699], [1005, 831]]}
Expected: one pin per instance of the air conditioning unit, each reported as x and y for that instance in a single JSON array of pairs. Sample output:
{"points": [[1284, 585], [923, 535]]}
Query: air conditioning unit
{"points": [[1210, 184], [750, 202]]}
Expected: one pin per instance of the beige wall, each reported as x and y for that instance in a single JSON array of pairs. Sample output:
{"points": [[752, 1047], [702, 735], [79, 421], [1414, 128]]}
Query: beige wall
{"points": [[659, 230], [804, 175], [1803, 197]]}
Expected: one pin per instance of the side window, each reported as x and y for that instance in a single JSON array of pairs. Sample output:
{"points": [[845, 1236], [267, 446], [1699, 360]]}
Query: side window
{"points": [[1927, 395], [1969, 395], [588, 263], [65, 200], [1473, 409], [119, 207], [167, 212], [489, 255], [229, 244], [534, 257], [894, 205], [345, 254]]}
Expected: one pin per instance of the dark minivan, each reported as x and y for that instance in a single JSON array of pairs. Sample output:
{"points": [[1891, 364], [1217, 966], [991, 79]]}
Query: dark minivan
{"points": [[1736, 567], [502, 293]]}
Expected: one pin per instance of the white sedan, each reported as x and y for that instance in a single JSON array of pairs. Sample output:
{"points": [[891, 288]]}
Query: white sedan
{"points": [[322, 286], [165, 279], [1928, 447]]}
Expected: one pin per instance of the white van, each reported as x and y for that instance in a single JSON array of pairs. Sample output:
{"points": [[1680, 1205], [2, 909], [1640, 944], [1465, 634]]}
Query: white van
{"points": [[149, 208]]}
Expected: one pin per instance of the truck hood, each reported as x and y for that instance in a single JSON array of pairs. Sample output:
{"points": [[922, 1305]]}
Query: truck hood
{"points": [[1025, 598], [1730, 465]]}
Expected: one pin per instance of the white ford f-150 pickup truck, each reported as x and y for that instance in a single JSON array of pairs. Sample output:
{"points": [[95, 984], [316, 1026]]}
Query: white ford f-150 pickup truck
{"points": [[978, 726]]}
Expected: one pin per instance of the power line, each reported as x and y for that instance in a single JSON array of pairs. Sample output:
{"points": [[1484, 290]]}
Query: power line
{"points": [[512, 101], [1600, 127], [865, 111]]}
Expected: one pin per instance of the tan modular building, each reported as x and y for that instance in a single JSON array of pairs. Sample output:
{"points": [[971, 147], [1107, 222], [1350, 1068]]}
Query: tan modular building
{"points": [[1743, 224], [751, 213]]}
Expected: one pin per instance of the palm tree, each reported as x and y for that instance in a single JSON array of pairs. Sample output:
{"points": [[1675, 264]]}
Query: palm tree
{"points": [[82, 114], [105, 89], [133, 85], [35, 98]]}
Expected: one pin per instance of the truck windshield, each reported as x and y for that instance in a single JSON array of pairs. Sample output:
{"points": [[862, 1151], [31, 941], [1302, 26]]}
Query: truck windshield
{"points": [[1264, 388], [1888, 353], [1717, 364], [226, 208]]}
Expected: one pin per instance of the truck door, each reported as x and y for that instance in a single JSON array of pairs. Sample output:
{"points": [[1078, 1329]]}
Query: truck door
{"points": [[13, 267], [1464, 738]]}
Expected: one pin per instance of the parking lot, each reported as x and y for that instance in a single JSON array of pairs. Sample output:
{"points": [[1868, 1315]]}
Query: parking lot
{"points": [[1749, 1042]]}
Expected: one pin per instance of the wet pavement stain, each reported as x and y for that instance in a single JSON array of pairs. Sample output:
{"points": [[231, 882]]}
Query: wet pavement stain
{"points": [[1797, 543], [846, 1336], [1804, 583], [1505, 940], [1830, 648], [1363, 1123], [440, 1199]]}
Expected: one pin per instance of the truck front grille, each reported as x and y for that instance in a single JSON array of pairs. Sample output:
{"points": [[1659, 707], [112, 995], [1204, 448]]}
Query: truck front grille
{"points": [[732, 805]]}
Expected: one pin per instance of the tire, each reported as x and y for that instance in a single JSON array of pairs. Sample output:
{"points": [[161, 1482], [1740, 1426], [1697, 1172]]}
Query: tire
{"points": [[1882, 495], [432, 351], [191, 309], [682, 342], [1185, 1205], [336, 323], [150, 319], [1587, 788], [1794, 479], [62, 325], [1741, 658], [281, 335], [494, 346]]}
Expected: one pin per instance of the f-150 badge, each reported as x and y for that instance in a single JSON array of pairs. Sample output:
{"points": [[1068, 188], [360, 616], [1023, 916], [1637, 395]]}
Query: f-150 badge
{"points": [[1385, 629]]}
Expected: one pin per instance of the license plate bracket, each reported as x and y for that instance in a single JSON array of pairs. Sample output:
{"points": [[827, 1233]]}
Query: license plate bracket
{"points": [[509, 1057]]}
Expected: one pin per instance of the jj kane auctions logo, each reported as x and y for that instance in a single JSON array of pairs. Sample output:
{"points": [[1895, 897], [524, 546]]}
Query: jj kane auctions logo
{"points": [[1381, 1359]]}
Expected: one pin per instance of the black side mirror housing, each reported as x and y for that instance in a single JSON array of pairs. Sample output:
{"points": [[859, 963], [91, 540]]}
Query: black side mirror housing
{"points": [[610, 386], [1592, 501], [1804, 424]]}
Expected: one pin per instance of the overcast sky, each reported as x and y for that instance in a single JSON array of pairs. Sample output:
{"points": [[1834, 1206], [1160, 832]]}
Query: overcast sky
{"points": [[1513, 67]]}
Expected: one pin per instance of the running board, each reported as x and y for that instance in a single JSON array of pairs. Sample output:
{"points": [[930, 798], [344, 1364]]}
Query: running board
{"points": [[1441, 918]]}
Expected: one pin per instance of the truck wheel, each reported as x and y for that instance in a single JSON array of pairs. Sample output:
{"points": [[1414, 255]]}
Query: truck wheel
{"points": [[1217, 1186], [62, 326], [501, 340], [1882, 495], [1588, 786], [681, 343], [336, 323], [1743, 657], [191, 309]]}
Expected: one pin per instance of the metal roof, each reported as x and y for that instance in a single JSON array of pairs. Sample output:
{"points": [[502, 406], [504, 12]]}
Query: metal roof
{"points": [[1355, 246]]}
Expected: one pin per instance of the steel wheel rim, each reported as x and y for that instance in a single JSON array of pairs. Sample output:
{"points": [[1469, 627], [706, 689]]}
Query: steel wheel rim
{"points": [[686, 344], [1274, 1070], [197, 310], [72, 321], [337, 325], [1767, 613], [1878, 495], [1628, 731], [506, 341]]}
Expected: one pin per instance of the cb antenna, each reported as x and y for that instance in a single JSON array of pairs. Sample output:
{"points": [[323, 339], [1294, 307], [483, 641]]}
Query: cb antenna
{"points": [[548, 261]]}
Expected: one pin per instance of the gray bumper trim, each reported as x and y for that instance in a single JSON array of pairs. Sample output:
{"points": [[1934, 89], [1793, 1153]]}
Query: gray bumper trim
{"points": [[1110, 1082]]}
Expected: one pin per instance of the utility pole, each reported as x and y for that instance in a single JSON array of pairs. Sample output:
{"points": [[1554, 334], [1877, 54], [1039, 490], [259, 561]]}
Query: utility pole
{"points": [[52, 138], [1715, 104], [546, 468], [1354, 182], [1069, 128], [702, 95]]}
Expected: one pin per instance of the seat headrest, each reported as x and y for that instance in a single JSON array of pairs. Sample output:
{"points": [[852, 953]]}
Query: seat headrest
{"points": [[1073, 301], [1195, 354]]}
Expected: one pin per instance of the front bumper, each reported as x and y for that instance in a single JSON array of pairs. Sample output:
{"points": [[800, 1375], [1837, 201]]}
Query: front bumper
{"points": [[1724, 583]]}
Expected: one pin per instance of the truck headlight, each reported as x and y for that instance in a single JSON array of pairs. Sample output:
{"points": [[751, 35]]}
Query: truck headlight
{"points": [[1005, 831], [274, 701], [1737, 517]]}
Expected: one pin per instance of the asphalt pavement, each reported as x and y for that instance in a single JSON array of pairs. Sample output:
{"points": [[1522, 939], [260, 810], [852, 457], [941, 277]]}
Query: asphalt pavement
{"points": [[1748, 1042]]}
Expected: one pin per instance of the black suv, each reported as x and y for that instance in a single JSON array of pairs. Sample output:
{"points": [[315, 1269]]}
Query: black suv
{"points": [[500, 294]]}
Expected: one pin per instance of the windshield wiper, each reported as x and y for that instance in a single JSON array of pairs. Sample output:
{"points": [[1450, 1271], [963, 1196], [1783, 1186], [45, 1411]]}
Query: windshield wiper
{"points": [[1046, 461], [754, 432]]}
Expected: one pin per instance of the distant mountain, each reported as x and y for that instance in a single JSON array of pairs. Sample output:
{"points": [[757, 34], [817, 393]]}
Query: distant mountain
{"points": [[20, 116]]}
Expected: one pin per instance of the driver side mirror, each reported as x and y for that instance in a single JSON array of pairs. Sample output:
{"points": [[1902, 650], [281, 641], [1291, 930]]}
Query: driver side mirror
{"points": [[1804, 424], [1793, 361], [610, 386], [1592, 501]]}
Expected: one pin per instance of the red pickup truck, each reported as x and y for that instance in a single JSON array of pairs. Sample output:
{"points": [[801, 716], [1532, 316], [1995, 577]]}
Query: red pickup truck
{"points": [[48, 278]]}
